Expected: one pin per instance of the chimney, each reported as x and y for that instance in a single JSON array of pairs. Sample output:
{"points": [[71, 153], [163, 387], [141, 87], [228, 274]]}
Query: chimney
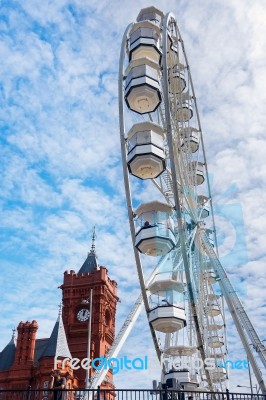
{"points": [[26, 342]]}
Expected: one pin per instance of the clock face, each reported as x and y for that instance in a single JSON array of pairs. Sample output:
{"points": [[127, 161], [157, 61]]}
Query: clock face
{"points": [[83, 315]]}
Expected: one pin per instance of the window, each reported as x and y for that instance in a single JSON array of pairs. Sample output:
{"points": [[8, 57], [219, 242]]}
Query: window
{"points": [[107, 318]]}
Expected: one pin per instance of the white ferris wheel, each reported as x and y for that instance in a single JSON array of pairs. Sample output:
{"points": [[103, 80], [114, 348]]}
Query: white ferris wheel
{"points": [[173, 230]]}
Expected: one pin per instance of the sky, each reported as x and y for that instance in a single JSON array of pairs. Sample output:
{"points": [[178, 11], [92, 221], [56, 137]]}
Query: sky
{"points": [[61, 170]]}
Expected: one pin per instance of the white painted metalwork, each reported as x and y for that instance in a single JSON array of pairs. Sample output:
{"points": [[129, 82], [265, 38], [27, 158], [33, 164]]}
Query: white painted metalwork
{"points": [[180, 299]]}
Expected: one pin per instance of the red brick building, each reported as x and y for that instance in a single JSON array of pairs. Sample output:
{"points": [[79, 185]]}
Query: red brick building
{"points": [[28, 361]]}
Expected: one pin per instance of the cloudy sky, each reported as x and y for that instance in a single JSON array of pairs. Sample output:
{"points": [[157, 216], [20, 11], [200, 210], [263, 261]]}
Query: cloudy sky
{"points": [[60, 153]]}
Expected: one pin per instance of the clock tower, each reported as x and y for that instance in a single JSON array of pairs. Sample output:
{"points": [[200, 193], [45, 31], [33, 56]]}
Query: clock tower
{"points": [[76, 290]]}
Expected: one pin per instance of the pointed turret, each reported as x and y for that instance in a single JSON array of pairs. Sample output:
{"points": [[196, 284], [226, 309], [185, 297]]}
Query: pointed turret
{"points": [[7, 356], [57, 344], [91, 262]]}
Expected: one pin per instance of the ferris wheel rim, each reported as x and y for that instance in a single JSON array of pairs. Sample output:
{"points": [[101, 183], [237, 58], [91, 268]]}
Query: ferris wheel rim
{"points": [[127, 185]]}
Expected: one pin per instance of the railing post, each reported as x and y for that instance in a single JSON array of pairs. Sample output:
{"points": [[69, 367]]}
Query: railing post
{"points": [[228, 395], [28, 392], [98, 393]]}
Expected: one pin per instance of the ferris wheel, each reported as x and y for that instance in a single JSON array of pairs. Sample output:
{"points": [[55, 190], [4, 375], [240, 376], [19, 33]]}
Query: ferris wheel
{"points": [[164, 148], [165, 165], [183, 284]]}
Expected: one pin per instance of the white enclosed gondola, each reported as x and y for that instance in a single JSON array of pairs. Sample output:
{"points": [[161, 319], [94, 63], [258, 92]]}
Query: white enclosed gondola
{"points": [[184, 111], [144, 41], [172, 53], [218, 373], [197, 169], [190, 139], [215, 341], [211, 276], [146, 155], [215, 326], [213, 310], [142, 88], [156, 235], [177, 82], [203, 206], [151, 14], [183, 377], [213, 297], [167, 318]]}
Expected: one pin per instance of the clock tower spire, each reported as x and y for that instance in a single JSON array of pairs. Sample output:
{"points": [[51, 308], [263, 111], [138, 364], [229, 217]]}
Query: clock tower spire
{"points": [[91, 262], [76, 292]]}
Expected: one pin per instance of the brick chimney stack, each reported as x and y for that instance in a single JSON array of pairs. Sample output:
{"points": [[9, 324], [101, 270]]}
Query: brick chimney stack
{"points": [[26, 343]]}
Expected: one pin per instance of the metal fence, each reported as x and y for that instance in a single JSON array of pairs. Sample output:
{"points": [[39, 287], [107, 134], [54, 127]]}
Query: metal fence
{"points": [[122, 394]]}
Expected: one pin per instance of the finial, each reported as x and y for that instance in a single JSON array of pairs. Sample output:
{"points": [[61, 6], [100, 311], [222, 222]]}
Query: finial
{"points": [[13, 333], [93, 241], [60, 309]]}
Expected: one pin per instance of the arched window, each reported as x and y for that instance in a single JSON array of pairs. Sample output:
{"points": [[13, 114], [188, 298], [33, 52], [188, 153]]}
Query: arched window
{"points": [[107, 318]]}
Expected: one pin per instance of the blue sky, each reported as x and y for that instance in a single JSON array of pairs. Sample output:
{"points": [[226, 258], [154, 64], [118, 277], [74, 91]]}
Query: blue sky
{"points": [[60, 153]]}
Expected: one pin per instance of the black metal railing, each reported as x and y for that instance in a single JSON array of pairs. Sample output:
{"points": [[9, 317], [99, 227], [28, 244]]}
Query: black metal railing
{"points": [[122, 394]]}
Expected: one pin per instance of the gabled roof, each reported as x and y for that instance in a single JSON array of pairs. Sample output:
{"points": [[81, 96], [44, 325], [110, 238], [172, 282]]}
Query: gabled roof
{"points": [[57, 343], [7, 356]]}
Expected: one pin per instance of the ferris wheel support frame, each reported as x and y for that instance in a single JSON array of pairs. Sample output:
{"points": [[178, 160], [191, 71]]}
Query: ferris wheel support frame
{"points": [[238, 314], [176, 196]]}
